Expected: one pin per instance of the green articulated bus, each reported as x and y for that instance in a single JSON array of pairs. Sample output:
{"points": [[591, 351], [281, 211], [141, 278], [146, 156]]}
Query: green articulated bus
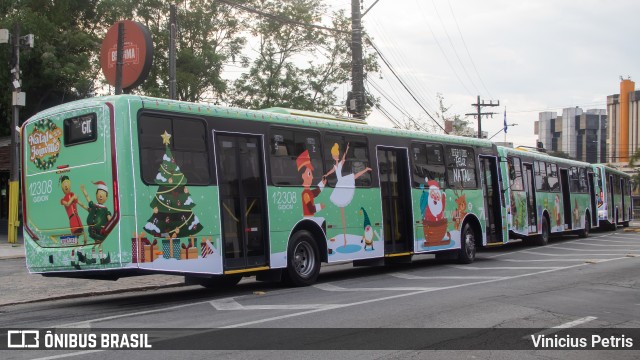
{"points": [[547, 195], [127, 185], [613, 197]]}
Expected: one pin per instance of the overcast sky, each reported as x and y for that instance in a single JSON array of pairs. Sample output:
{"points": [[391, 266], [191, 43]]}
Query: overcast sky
{"points": [[532, 56]]}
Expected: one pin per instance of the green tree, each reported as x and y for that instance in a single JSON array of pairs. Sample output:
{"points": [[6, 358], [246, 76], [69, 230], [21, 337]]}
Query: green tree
{"points": [[297, 66], [209, 37], [59, 68], [560, 154]]}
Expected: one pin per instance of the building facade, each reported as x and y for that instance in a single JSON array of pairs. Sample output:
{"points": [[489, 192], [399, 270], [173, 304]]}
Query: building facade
{"points": [[579, 134], [623, 135]]}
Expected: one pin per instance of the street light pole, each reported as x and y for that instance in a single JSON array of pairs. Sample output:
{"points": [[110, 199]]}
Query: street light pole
{"points": [[18, 100]]}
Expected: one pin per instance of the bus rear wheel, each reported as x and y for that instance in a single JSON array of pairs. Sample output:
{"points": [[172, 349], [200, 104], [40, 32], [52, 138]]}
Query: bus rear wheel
{"points": [[543, 238], [587, 227], [467, 252], [303, 260]]}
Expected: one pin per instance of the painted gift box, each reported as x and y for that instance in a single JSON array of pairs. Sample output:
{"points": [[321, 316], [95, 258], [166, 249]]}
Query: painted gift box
{"points": [[189, 252], [137, 248], [150, 250], [206, 248], [171, 249]]}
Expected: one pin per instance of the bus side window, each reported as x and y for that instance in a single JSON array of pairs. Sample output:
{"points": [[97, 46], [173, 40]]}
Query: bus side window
{"points": [[574, 183], [286, 146], [515, 168], [356, 159], [542, 181], [582, 180], [552, 177], [461, 168], [428, 162]]}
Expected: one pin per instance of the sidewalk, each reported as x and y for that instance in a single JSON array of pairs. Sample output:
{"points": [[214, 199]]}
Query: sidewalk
{"points": [[10, 251], [18, 286]]}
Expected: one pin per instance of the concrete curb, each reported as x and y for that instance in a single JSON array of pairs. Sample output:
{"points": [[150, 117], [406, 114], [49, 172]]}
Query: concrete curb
{"points": [[95, 293], [10, 257]]}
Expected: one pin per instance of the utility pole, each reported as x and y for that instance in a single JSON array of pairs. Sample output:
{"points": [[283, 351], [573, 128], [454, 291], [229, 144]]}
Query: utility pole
{"points": [[355, 99], [18, 101], [478, 115], [172, 52], [119, 57]]}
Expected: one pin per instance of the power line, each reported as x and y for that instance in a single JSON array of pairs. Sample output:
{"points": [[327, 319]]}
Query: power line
{"points": [[467, 49], [435, 38], [280, 18], [403, 83], [391, 101], [453, 47]]}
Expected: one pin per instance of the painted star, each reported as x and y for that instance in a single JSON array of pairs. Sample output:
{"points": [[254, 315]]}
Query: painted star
{"points": [[165, 138]]}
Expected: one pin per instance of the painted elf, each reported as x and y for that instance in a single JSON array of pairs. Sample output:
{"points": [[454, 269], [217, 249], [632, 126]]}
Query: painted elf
{"points": [[97, 219], [367, 237]]}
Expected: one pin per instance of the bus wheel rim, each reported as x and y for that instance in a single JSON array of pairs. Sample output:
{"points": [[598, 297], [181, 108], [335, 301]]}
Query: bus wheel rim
{"points": [[303, 259], [470, 244]]}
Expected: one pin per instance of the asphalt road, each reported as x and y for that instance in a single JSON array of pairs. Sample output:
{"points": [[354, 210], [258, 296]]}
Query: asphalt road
{"points": [[588, 283]]}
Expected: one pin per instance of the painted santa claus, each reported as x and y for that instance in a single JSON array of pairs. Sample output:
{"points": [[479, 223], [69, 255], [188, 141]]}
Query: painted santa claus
{"points": [[436, 201]]}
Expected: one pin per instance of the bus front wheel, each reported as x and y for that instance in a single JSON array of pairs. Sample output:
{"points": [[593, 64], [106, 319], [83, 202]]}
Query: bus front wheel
{"points": [[303, 260], [467, 252]]}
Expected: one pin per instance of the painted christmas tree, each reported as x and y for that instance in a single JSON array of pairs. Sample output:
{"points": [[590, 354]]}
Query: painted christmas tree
{"points": [[172, 204]]}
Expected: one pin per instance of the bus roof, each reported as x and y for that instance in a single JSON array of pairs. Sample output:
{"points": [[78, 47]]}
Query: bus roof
{"points": [[541, 156], [612, 170], [274, 115]]}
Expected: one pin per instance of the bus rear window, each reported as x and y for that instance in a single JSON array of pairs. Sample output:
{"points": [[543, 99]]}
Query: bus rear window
{"points": [[80, 129]]}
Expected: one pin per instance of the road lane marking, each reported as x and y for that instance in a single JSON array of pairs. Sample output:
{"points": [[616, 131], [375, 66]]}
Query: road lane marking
{"points": [[232, 304], [575, 323], [547, 254], [581, 250], [393, 297], [416, 277], [466, 267], [545, 260], [69, 355], [331, 287], [337, 306], [566, 325], [610, 245]]}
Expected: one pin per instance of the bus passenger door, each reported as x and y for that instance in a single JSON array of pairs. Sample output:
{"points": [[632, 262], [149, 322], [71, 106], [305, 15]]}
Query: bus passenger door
{"points": [[395, 188], [622, 195], [241, 182], [611, 202], [492, 205], [592, 200], [531, 198], [566, 199]]}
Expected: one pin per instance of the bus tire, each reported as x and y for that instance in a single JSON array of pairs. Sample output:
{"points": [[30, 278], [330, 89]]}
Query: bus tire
{"points": [[543, 238], [303, 260], [587, 227], [625, 224], [219, 282], [467, 252]]}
